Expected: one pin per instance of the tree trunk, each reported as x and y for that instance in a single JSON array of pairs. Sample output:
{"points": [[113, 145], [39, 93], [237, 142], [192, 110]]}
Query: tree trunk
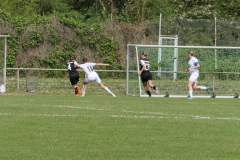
{"points": [[104, 8]]}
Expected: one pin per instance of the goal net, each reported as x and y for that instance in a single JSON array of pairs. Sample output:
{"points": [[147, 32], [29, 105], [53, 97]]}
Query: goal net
{"points": [[220, 69]]}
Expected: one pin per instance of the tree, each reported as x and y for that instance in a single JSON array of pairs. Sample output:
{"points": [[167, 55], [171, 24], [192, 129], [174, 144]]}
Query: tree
{"points": [[206, 9], [24, 8]]}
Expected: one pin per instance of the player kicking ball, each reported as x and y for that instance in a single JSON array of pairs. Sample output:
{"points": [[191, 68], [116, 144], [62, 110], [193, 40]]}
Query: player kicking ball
{"points": [[92, 76], [193, 66]]}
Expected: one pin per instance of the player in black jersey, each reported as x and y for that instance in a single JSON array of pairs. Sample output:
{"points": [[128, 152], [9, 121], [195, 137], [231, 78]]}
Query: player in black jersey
{"points": [[146, 75], [74, 75]]}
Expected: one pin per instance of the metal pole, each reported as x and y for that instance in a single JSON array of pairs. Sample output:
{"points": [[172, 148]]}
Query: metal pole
{"points": [[18, 80], [127, 78], [215, 18], [160, 43], [160, 27], [5, 62], [175, 58], [215, 42], [138, 69]]}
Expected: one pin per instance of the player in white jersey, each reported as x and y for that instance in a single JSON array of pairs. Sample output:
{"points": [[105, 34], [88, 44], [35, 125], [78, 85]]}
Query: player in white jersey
{"points": [[92, 76], [193, 66]]}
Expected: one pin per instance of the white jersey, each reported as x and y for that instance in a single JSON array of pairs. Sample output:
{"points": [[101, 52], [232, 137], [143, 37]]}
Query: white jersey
{"points": [[88, 67], [91, 74], [192, 63]]}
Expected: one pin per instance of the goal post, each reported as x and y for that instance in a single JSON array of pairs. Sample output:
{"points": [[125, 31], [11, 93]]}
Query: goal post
{"points": [[223, 78], [3, 62], [172, 41]]}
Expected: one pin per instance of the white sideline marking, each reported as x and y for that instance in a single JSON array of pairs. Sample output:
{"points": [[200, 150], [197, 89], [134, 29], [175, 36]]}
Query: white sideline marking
{"points": [[146, 115], [176, 96], [124, 116], [154, 113]]}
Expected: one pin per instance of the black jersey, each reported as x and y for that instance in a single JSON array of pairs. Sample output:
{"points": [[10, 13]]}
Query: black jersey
{"points": [[73, 73], [146, 74], [146, 62], [71, 67]]}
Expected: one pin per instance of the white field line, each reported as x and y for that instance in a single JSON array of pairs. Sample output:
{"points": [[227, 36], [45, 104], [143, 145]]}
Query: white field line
{"points": [[145, 115]]}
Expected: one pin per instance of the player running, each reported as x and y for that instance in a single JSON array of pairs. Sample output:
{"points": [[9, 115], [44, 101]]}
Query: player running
{"points": [[193, 66], [74, 75], [92, 76], [146, 75]]}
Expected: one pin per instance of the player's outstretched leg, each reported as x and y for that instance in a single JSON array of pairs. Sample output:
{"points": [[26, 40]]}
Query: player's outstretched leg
{"points": [[207, 89], [106, 89]]}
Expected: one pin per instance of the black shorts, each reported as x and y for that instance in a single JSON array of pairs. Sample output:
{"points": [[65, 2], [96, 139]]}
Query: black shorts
{"points": [[74, 78], [146, 76]]}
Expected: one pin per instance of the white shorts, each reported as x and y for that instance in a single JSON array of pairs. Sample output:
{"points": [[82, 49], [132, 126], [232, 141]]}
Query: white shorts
{"points": [[93, 77], [194, 76]]}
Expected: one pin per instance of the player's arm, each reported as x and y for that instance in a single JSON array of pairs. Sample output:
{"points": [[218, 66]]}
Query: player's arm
{"points": [[76, 65], [196, 65], [102, 64], [143, 68]]}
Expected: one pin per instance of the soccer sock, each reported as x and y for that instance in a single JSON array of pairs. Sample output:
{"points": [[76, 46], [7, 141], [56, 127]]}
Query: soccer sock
{"points": [[108, 90], [76, 90], [83, 91], [149, 93], [79, 90], [203, 87], [154, 87], [190, 93]]}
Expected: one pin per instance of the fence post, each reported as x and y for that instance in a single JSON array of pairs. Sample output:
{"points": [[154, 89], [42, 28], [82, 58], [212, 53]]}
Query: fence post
{"points": [[18, 81], [213, 82]]}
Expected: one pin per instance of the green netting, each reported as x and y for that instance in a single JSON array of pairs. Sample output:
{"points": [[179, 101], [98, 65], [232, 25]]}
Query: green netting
{"points": [[220, 69]]}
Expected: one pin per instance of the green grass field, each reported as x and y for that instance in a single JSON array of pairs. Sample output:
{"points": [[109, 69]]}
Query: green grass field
{"points": [[60, 127]]}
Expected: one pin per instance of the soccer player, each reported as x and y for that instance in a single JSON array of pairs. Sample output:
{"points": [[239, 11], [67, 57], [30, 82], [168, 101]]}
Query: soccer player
{"points": [[193, 66], [92, 76], [74, 75], [146, 75]]}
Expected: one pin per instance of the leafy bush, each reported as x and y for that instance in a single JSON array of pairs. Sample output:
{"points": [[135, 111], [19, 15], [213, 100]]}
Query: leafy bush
{"points": [[33, 39]]}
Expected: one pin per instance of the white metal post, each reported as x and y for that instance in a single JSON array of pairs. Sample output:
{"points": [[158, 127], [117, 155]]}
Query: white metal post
{"points": [[159, 43], [127, 71], [139, 80], [175, 58], [5, 61]]}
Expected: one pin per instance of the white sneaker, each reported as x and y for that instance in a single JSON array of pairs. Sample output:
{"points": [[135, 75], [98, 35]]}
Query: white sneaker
{"points": [[113, 95]]}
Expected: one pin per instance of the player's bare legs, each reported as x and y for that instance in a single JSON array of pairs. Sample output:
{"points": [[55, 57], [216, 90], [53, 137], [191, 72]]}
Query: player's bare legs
{"points": [[102, 85], [151, 85], [106, 89], [193, 86], [77, 89], [145, 86], [84, 83], [190, 88]]}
